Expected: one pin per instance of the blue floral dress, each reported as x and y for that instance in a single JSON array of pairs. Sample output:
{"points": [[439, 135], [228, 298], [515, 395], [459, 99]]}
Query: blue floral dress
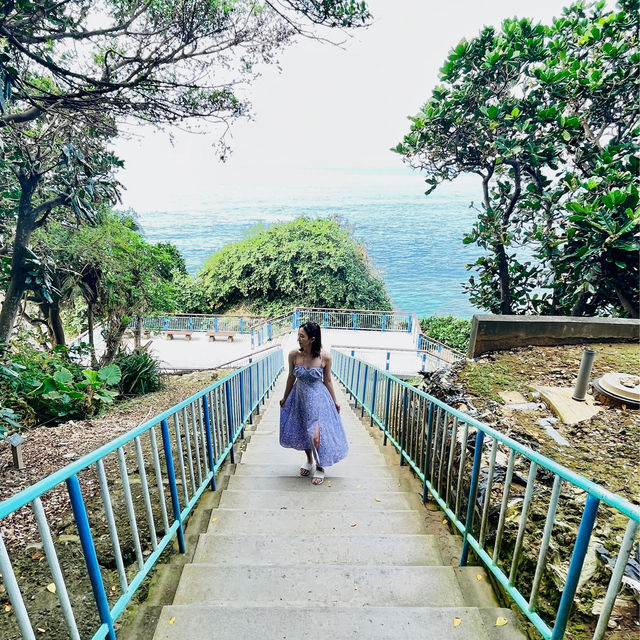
{"points": [[308, 406]]}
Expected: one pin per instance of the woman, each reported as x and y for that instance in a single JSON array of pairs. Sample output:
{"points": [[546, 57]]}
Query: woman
{"points": [[309, 414]]}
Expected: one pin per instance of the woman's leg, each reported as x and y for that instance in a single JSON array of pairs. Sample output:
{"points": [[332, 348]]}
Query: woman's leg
{"points": [[305, 469], [316, 444]]}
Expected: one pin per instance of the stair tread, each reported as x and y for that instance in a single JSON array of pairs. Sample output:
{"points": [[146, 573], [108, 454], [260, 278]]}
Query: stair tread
{"points": [[313, 622], [282, 549], [284, 585]]}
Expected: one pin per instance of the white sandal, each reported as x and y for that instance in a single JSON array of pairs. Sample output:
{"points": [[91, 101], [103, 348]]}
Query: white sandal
{"points": [[306, 469], [318, 475]]}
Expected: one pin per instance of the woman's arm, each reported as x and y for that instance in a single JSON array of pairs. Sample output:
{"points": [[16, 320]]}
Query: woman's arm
{"points": [[326, 379], [291, 379]]}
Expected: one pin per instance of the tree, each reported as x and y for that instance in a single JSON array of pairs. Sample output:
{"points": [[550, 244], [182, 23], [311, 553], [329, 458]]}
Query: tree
{"points": [[75, 67], [44, 175], [300, 263], [116, 272], [546, 115]]}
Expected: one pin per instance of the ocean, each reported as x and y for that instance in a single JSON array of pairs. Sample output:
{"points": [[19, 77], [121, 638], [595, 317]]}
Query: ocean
{"points": [[413, 241]]}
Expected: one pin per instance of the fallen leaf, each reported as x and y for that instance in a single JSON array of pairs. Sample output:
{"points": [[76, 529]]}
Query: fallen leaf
{"points": [[500, 622], [355, 586], [213, 519], [7, 608], [51, 587], [354, 524], [479, 577], [329, 483], [457, 622], [444, 521], [41, 630], [378, 500], [172, 620], [359, 486]]}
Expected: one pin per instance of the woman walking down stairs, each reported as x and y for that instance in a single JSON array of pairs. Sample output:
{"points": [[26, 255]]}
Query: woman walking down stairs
{"points": [[358, 556]]}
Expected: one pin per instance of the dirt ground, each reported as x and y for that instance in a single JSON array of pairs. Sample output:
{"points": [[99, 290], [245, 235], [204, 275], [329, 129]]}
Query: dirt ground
{"points": [[49, 449]]}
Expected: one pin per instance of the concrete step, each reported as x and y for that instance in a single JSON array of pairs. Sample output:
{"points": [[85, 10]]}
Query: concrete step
{"points": [[315, 521], [305, 549], [339, 470], [314, 622], [285, 585], [256, 457], [296, 500], [332, 484]]}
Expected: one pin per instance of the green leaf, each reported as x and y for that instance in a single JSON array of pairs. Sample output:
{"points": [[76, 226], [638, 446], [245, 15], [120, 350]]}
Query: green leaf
{"points": [[110, 375]]}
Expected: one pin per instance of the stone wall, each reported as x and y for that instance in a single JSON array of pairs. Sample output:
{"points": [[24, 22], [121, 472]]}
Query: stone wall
{"points": [[494, 333]]}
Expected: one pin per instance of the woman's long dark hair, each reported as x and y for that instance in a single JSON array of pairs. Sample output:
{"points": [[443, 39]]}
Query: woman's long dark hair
{"points": [[312, 329]]}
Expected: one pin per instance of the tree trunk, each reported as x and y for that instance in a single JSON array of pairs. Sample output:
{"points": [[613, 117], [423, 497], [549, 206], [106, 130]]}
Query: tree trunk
{"points": [[504, 279], [24, 229], [112, 338], [90, 330], [55, 323], [626, 302], [137, 338]]}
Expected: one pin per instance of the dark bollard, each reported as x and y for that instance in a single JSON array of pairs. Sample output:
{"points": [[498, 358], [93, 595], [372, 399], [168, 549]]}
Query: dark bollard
{"points": [[582, 383]]}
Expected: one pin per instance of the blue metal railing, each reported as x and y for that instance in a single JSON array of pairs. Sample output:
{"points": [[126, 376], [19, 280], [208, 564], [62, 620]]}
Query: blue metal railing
{"points": [[196, 436], [197, 323], [348, 319], [436, 351], [456, 458]]}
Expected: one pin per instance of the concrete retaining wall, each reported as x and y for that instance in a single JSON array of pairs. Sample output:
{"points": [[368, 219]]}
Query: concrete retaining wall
{"points": [[494, 333]]}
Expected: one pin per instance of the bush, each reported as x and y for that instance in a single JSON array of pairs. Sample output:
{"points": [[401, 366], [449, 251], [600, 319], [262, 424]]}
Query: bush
{"points": [[452, 331], [41, 387], [306, 263], [140, 373]]}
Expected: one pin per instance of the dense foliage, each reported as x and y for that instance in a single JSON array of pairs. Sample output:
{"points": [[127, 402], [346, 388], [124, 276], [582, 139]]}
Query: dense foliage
{"points": [[140, 373], [452, 331], [70, 70], [40, 387], [313, 263], [548, 116]]}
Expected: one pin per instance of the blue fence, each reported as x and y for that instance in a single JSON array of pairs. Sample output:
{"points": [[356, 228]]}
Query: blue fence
{"points": [[197, 322], [347, 319], [462, 463], [171, 470]]}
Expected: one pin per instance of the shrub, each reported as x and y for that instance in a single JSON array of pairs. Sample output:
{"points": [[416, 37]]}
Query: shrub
{"points": [[307, 263], [42, 387], [452, 331], [140, 373]]}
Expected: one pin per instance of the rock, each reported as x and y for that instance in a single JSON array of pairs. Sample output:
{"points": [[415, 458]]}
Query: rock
{"points": [[68, 538]]}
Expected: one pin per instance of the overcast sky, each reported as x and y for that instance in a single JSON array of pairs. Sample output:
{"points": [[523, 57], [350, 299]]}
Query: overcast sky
{"points": [[329, 107]]}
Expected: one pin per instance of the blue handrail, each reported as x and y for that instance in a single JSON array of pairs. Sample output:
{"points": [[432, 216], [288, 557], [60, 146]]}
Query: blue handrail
{"points": [[433, 439], [205, 428]]}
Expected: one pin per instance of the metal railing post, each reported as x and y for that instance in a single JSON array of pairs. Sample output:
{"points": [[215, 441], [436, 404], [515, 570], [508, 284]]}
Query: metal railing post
{"points": [[425, 493], [386, 413], [207, 433], [173, 487], [242, 417], [575, 566], [227, 393], [90, 556], [404, 425], [373, 398], [473, 490], [364, 390]]}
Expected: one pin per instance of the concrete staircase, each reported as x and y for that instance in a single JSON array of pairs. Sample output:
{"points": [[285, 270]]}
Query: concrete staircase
{"points": [[359, 556]]}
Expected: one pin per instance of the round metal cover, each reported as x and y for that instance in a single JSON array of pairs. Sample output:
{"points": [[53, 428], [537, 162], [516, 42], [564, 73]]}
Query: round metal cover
{"points": [[621, 384], [623, 387]]}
